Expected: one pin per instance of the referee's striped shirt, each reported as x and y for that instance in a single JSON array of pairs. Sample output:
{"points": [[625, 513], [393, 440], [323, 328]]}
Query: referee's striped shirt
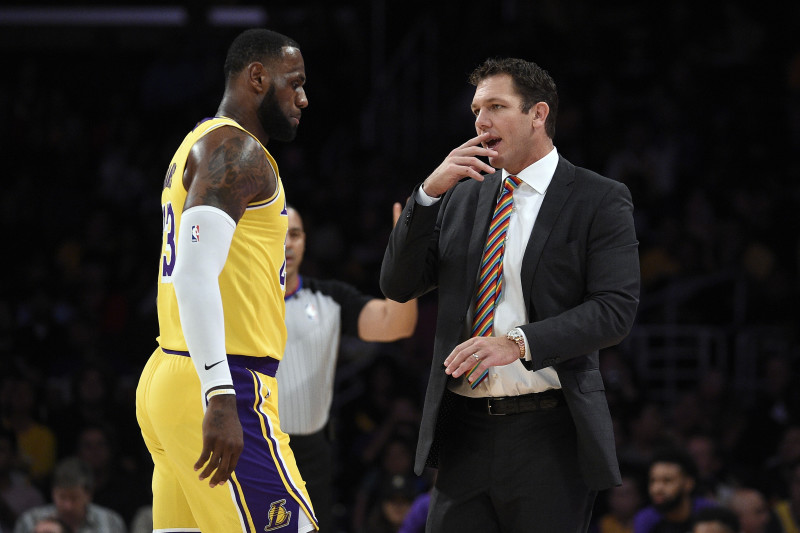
{"points": [[316, 316]]}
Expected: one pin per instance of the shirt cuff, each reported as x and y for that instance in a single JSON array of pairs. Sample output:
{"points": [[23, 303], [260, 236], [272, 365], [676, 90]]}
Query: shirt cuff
{"points": [[422, 198]]}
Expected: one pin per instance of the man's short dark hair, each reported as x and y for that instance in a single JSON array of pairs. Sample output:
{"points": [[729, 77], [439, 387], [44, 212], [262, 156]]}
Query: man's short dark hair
{"points": [[723, 515], [72, 472], [676, 456], [255, 44], [532, 82]]}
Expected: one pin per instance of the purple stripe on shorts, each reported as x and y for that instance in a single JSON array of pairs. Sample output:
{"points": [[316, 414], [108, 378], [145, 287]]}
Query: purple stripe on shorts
{"points": [[264, 495]]}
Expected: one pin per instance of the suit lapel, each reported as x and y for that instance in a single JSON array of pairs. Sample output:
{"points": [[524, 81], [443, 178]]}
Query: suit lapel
{"points": [[487, 199], [556, 196]]}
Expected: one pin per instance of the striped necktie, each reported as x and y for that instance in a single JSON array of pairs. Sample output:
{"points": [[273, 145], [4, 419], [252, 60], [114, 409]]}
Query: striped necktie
{"points": [[490, 278]]}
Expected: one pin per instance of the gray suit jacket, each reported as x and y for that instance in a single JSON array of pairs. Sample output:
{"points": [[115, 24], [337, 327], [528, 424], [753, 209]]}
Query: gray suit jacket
{"points": [[580, 277]]}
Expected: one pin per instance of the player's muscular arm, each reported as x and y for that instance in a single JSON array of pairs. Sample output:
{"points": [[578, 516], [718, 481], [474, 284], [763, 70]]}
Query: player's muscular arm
{"points": [[228, 169]]}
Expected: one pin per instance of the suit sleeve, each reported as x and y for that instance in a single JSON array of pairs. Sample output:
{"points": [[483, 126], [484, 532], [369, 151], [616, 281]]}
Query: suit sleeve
{"points": [[612, 282], [409, 267]]}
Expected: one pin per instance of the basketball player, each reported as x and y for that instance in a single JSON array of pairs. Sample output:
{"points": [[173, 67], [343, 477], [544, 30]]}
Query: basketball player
{"points": [[206, 400]]}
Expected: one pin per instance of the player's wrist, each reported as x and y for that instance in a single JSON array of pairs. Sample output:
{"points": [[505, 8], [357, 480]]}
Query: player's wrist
{"points": [[220, 390]]}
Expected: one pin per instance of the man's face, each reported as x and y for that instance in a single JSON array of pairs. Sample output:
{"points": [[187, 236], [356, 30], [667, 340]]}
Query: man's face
{"points": [[71, 504], [753, 513], [702, 451], [93, 448], [295, 244], [498, 110], [668, 486], [280, 110]]}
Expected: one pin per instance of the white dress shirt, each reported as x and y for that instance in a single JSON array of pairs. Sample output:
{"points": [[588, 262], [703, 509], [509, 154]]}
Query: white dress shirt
{"points": [[510, 312]]}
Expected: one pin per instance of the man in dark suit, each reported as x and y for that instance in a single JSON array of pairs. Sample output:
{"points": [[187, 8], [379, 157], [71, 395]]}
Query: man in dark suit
{"points": [[566, 284]]}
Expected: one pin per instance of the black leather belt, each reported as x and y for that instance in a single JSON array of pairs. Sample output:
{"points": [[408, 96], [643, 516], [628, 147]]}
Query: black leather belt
{"points": [[513, 405]]}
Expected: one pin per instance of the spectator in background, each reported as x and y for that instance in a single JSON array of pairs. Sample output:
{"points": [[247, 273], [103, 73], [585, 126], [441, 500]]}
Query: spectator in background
{"points": [[715, 520], [116, 486], [91, 403], [773, 472], [417, 515], [16, 492], [36, 442], [671, 484], [623, 502], [776, 411], [711, 482], [142, 520], [788, 510], [396, 460], [647, 432], [395, 496], [753, 511], [381, 411], [72, 488]]}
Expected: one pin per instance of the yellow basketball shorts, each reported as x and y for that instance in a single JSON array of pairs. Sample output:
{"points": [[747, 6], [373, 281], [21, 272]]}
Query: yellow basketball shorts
{"points": [[265, 492]]}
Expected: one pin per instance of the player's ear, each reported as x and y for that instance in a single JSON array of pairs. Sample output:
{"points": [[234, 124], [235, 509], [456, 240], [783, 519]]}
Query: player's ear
{"points": [[258, 76]]}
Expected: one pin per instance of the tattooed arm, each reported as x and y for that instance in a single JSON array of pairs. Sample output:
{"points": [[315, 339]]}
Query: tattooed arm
{"points": [[226, 170]]}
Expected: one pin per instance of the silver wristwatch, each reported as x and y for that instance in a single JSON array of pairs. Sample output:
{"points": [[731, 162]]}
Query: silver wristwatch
{"points": [[517, 336]]}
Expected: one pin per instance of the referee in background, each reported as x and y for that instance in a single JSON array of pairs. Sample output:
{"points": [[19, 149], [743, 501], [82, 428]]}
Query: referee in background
{"points": [[318, 312]]}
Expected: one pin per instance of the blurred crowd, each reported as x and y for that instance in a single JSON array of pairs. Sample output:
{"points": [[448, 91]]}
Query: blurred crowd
{"points": [[699, 114]]}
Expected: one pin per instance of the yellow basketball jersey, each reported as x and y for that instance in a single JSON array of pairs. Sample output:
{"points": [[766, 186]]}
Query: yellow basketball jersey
{"points": [[252, 283]]}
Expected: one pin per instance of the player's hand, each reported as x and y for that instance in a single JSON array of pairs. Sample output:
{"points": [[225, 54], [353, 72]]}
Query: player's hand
{"points": [[222, 440], [461, 163], [490, 351]]}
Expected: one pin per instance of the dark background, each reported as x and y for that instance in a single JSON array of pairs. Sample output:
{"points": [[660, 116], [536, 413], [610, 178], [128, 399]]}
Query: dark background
{"points": [[695, 106]]}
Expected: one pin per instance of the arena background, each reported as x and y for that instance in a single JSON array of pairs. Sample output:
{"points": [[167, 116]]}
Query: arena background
{"points": [[695, 106]]}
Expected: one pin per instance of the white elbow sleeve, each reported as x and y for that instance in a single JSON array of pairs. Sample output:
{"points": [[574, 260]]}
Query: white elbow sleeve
{"points": [[204, 240]]}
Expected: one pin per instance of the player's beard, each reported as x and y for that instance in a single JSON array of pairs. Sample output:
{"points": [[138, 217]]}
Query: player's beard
{"points": [[275, 123], [670, 504]]}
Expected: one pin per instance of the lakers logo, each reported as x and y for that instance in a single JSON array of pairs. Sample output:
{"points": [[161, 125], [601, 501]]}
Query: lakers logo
{"points": [[278, 516]]}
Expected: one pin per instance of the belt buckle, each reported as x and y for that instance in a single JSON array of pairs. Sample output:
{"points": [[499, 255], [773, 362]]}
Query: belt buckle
{"points": [[489, 408]]}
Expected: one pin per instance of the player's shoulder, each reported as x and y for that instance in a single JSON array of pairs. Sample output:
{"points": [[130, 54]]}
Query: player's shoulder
{"points": [[231, 142], [228, 157]]}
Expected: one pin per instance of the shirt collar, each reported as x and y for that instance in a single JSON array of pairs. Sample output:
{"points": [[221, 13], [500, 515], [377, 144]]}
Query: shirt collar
{"points": [[289, 295], [539, 174]]}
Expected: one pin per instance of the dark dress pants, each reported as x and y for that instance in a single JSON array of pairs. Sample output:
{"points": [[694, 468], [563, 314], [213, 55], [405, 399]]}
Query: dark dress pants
{"points": [[509, 474]]}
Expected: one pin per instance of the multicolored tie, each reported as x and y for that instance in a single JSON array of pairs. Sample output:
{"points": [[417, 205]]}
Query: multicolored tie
{"points": [[490, 278]]}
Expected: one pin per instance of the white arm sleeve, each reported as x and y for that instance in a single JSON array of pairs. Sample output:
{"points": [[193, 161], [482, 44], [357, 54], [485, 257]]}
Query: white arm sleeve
{"points": [[204, 240]]}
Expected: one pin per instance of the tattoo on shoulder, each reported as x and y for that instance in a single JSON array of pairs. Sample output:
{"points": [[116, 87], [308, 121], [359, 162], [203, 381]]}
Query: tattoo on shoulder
{"points": [[238, 171]]}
